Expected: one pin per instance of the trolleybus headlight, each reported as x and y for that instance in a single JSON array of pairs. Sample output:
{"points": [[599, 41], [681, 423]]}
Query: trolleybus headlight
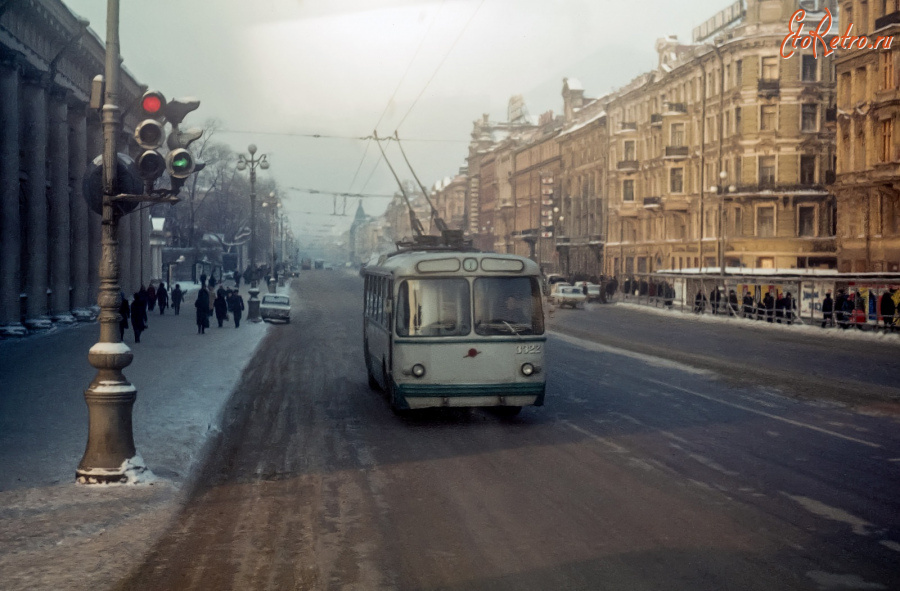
{"points": [[418, 370], [527, 369]]}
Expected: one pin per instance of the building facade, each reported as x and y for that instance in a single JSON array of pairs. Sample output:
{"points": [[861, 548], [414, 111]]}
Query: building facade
{"points": [[49, 236], [720, 157], [867, 186]]}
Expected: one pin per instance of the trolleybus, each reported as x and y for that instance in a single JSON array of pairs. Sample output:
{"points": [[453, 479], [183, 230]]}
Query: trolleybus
{"points": [[446, 328]]}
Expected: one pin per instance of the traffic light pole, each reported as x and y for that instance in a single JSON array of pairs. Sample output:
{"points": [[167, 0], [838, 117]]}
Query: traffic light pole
{"points": [[110, 455]]}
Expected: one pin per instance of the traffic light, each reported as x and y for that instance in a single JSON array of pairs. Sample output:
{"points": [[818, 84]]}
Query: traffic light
{"points": [[150, 134], [180, 163]]}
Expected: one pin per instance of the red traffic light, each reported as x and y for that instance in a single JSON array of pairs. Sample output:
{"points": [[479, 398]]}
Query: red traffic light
{"points": [[153, 103]]}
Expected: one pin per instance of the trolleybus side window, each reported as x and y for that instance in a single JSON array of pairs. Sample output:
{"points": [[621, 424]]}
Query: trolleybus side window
{"points": [[508, 305], [433, 308]]}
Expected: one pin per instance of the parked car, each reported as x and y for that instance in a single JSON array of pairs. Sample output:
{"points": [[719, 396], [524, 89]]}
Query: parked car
{"points": [[568, 295], [275, 307], [593, 294]]}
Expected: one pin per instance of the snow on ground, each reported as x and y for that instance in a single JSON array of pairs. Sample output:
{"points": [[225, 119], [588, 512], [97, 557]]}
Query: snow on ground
{"points": [[814, 331], [55, 533]]}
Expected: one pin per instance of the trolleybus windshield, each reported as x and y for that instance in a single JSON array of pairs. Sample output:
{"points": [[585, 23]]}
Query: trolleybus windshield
{"points": [[433, 308], [508, 305]]}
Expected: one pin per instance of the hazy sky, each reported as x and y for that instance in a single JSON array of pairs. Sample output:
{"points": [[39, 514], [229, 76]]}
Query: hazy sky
{"points": [[281, 69]]}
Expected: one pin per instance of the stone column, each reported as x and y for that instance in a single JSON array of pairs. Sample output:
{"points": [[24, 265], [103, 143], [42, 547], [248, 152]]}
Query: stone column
{"points": [[126, 279], [78, 213], [94, 142], [139, 275], [34, 144], [59, 229], [10, 228], [147, 259]]}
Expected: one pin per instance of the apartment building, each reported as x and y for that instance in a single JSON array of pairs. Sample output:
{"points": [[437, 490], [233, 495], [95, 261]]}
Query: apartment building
{"points": [[867, 187], [720, 156]]}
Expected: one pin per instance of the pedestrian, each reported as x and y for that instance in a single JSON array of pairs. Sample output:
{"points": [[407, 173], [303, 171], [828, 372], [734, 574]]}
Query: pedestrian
{"points": [[779, 308], [840, 308], [177, 297], [584, 289], [768, 303], [138, 317], [212, 296], [237, 279], [732, 303], [827, 310], [162, 298], [699, 301], [748, 305], [787, 308], [221, 307], [124, 314], [202, 305], [151, 297], [236, 305], [888, 309]]}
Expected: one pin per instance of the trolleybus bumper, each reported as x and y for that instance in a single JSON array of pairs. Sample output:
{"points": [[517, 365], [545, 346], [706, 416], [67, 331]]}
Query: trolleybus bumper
{"points": [[413, 396]]}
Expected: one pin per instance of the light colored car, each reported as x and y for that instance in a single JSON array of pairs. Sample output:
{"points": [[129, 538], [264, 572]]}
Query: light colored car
{"points": [[275, 307], [568, 295], [593, 294]]}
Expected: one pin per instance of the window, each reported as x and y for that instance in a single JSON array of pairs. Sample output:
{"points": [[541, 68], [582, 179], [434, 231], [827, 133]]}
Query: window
{"points": [[808, 72], [887, 70], [628, 190], [887, 128], [676, 180], [738, 229], [737, 120], [433, 307], [676, 131], [806, 220], [807, 169], [508, 306], [809, 120], [770, 68], [767, 171], [738, 73], [737, 171], [765, 221], [768, 115], [629, 150]]}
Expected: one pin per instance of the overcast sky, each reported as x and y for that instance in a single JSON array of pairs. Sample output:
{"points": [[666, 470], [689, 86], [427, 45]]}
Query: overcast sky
{"points": [[280, 69]]}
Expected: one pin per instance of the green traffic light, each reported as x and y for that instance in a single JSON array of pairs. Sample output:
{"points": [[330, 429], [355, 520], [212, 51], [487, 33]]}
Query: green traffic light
{"points": [[181, 163]]}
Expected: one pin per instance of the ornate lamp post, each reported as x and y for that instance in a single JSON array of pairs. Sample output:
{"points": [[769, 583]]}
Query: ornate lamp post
{"points": [[252, 163], [721, 190], [272, 205]]}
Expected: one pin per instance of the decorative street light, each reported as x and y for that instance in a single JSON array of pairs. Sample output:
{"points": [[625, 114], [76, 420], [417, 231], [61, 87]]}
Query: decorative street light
{"points": [[272, 205], [242, 164]]}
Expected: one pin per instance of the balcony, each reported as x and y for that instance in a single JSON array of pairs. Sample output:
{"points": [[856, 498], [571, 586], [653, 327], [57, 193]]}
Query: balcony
{"points": [[768, 87], [675, 108], [656, 119], [651, 202], [887, 20], [676, 151], [627, 165], [627, 126]]}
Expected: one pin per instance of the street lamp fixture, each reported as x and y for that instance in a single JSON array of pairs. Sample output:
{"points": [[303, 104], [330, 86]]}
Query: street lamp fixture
{"points": [[252, 163]]}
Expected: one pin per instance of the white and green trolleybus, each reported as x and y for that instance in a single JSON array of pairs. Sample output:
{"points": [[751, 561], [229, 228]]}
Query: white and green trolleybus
{"points": [[455, 328]]}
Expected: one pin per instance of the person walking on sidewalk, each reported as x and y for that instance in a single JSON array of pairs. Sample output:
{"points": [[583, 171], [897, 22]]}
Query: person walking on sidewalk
{"points": [[212, 297], [151, 297], [138, 317], [162, 298], [177, 297], [827, 310], [124, 314], [221, 307], [202, 305], [237, 279], [236, 305]]}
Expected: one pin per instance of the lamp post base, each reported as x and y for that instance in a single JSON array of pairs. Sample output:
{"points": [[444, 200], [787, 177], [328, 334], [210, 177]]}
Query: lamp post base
{"points": [[253, 305]]}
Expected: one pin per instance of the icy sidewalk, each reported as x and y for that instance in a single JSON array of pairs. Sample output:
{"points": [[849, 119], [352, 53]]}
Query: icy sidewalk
{"points": [[57, 534]]}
